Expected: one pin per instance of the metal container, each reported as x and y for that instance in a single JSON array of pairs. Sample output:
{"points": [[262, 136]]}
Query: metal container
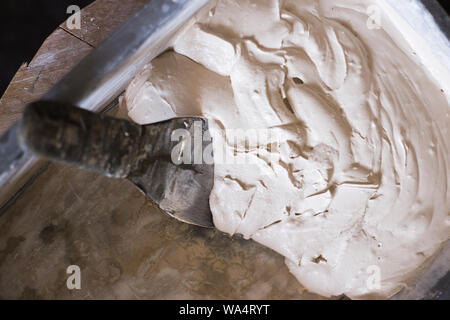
{"points": [[126, 248]]}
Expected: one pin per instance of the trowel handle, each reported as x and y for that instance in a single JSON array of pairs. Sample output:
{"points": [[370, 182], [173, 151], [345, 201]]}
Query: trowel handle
{"points": [[77, 137]]}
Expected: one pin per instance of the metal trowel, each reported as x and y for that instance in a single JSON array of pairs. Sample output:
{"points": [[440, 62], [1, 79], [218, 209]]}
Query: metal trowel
{"points": [[149, 156], [92, 85]]}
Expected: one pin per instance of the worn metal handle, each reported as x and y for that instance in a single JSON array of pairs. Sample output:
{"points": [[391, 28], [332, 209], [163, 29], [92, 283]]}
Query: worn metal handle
{"points": [[121, 149], [77, 137]]}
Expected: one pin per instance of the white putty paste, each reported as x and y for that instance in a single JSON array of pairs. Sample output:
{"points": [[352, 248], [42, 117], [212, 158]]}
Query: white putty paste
{"points": [[360, 192]]}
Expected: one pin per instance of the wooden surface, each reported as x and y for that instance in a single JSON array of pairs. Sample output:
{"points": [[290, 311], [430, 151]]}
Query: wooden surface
{"points": [[124, 246]]}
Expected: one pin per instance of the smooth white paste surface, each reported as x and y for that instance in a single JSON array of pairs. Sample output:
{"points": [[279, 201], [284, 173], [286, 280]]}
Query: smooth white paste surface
{"points": [[362, 181]]}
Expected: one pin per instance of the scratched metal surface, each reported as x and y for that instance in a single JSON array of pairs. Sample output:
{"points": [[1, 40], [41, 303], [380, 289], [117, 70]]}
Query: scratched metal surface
{"points": [[125, 247]]}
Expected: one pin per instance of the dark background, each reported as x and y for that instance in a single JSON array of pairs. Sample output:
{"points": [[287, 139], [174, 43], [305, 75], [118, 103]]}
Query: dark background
{"points": [[24, 25]]}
